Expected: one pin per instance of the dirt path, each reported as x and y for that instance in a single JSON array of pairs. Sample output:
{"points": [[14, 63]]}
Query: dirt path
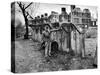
{"points": [[30, 59], [26, 55]]}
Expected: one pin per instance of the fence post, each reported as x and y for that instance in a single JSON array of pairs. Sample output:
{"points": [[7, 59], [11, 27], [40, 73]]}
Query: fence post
{"points": [[83, 45], [75, 43], [70, 47], [95, 62]]}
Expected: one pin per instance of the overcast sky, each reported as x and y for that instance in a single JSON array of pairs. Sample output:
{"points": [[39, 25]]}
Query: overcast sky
{"points": [[47, 8]]}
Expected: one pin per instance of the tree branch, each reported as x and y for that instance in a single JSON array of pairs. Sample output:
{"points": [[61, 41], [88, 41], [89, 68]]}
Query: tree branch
{"points": [[28, 5], [31, 17], [27, 13], [20, 5]]}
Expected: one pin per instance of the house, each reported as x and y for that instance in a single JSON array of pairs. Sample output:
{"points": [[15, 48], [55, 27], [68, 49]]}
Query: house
{"points": [[65, 34], [79, 17]]}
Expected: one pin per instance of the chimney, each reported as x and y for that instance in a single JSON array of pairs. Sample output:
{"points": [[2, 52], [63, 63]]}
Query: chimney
{"points": [[45, 14], [42, 16], [63, 9], [35, 18], [72, 7], [46, 17], [38, 17]]}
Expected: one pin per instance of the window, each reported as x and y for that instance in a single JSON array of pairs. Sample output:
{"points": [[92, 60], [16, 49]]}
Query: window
{"points": [[76, 20]]}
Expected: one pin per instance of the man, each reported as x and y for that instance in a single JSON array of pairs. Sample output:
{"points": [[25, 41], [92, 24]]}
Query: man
{"points": [[46, 39]]}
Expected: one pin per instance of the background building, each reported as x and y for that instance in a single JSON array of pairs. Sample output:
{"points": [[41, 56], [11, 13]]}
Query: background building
{"points": [[76, 16], [79, 17]]}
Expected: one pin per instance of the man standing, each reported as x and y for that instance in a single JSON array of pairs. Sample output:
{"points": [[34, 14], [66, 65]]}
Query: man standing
{"points": [[46, 39]]}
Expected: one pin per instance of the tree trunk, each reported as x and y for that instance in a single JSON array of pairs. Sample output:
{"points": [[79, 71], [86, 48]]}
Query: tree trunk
{"points": [[26, 34], [26, 24]]}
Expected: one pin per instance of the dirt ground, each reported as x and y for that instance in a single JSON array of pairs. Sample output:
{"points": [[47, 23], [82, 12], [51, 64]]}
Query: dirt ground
{"points": [[29, 58]]}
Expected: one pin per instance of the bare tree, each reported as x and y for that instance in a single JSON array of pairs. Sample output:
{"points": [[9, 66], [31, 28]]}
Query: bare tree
{"points": [[25, 13]]}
